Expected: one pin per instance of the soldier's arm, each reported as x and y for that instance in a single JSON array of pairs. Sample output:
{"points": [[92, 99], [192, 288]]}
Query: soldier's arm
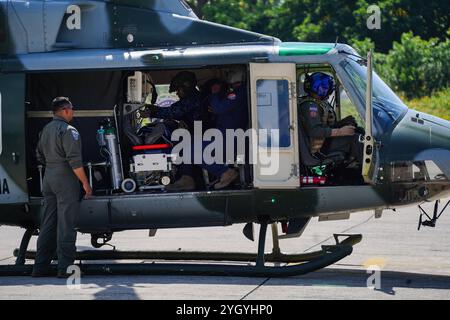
{"points": [[71, 143], [176, 111], [81, 175], [343, 132], [39, 154], [311, 113]]}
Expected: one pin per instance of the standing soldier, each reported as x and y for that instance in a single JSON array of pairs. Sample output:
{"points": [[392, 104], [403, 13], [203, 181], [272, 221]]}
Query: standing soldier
{"points": [[59, 149]]}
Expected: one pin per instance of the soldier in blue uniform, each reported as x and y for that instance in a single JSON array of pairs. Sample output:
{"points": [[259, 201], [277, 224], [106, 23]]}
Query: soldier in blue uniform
{"points": [[230, 107], [230, 110], [188, 109]]}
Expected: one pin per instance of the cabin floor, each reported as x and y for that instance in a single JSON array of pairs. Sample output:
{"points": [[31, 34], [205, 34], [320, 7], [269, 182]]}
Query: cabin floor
{"points": [[414, 264]]}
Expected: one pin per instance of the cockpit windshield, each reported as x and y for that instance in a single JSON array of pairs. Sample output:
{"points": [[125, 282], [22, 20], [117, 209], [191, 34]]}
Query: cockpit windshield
{"points": [[387, 107]]}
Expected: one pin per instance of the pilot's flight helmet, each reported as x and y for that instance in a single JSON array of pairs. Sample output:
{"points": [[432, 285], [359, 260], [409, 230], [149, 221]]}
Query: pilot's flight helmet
{"points": [[185, 80], [319, 83]]}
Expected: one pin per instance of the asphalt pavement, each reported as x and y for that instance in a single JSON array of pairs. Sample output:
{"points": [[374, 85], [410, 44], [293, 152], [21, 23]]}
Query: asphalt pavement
{"points": [[413, 264]]}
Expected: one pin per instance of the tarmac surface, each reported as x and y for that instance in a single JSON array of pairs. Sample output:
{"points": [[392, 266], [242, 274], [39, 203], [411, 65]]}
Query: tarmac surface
{"points": [[414, 264]]}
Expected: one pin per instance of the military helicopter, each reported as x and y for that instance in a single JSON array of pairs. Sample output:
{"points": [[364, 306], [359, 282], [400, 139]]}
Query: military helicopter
{"points": [[108, 56]]}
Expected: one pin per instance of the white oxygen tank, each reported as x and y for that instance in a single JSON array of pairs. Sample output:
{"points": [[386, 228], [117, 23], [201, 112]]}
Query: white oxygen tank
{"points": [[111, 144]]}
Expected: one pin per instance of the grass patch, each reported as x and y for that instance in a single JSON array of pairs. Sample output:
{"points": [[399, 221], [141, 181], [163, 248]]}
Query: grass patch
{"points": [[437, 105]]}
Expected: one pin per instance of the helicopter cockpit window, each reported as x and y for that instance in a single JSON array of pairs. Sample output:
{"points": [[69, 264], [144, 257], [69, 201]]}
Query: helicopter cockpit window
{"points": [[387, 107], [348, 108], [273, 113]]}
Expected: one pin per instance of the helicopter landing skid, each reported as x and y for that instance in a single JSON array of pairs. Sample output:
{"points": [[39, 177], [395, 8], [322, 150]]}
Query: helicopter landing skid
{"points": [[297, 264], [431, 222]]}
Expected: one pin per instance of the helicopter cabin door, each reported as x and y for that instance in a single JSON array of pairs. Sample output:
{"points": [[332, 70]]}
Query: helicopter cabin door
{"points": [[275, 154], [13, 184], [370, 156]]}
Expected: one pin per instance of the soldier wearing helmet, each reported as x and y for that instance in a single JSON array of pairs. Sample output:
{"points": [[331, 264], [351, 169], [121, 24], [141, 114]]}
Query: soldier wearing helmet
{"points": [[230, 110], [318, 118], [188, 109]]}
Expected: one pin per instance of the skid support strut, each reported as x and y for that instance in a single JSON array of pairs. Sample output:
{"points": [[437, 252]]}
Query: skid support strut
{"points": [[431, 222], [21, 253], [298, 264]]}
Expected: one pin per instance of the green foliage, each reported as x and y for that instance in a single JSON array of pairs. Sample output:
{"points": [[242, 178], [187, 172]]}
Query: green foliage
{"points": [[363, 46], [426, 19], [232, 13], [380, 65], [437, 105], [249, 15], [413, 65], [419, 67], [324, 20]]}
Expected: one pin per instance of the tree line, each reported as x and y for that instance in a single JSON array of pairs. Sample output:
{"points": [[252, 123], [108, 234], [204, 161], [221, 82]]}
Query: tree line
{"points": [[412, 45]]}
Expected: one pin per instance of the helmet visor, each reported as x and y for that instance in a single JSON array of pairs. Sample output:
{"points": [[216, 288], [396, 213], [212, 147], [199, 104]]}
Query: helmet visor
{"points": [[322, 87]]}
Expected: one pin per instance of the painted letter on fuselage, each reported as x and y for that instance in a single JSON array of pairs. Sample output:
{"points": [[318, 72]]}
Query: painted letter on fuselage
{"points": [[74, 20]]}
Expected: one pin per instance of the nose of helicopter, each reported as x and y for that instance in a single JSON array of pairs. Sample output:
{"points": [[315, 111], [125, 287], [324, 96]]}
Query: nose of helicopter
{"points": [[420, 144]]}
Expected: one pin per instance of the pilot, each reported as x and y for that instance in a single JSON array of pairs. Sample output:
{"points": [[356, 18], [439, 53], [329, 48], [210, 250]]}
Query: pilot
{"points": [[319, 120], [59, 149]]}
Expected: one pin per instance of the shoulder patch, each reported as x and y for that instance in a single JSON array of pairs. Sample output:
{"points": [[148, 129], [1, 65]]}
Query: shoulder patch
{"points": [[313, 111], [75, 135], [231, 96]]}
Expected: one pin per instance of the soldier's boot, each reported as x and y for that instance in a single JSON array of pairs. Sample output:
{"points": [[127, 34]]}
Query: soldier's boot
{"points": [[226, 179], [185, 183]]}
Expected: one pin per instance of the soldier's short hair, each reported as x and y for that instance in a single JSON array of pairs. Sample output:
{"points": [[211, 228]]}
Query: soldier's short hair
{"points": [[60, 103]]}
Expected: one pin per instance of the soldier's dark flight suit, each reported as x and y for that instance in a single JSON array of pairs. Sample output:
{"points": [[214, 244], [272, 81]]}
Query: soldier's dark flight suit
{"points": [[188, 110], [231, 112], [59, 148], [319, 119]]}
